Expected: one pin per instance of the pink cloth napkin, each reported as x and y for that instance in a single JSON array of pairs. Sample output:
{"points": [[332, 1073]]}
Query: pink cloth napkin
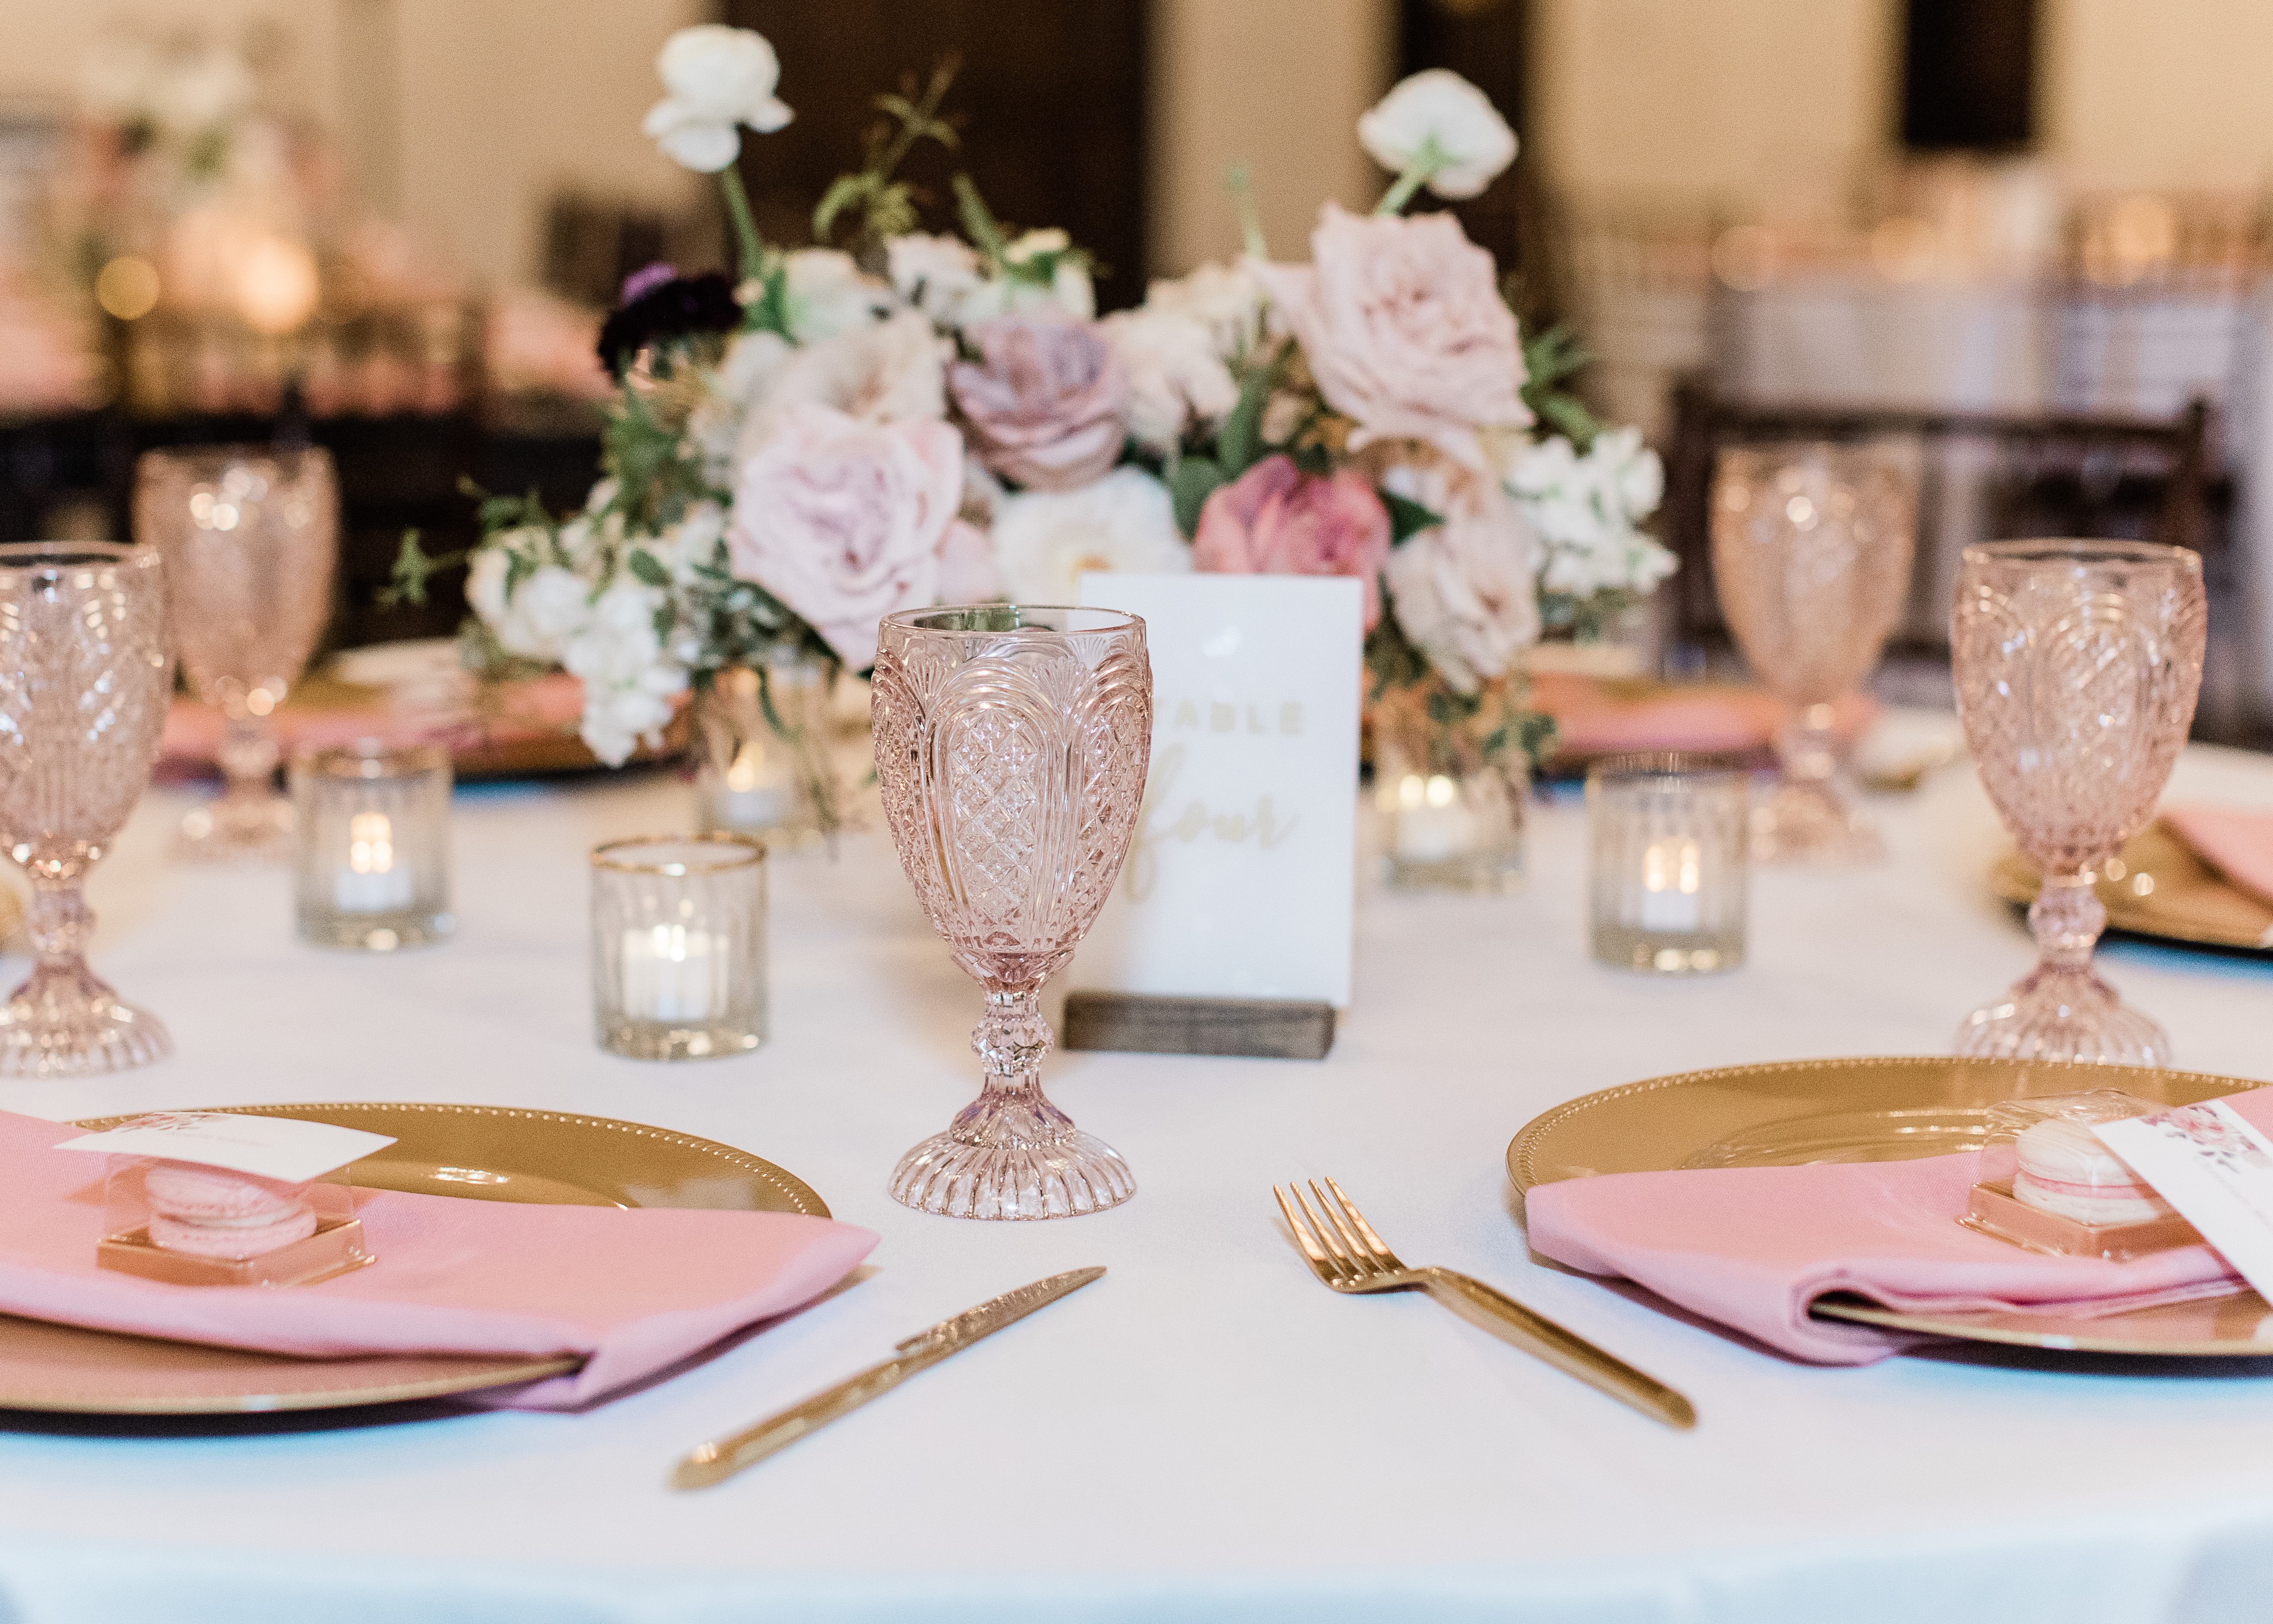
{"points": [[1752, 1246], [2239, 844], [634, 1292], [538, 709], [1593, 718]]}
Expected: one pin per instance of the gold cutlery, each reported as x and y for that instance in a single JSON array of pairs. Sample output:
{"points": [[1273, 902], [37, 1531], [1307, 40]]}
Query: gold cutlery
{"points": [[1346, 1254], [717, 1461]]}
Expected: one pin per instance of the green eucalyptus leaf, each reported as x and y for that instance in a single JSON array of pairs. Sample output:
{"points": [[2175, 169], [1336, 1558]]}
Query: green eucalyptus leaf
{"points": [[1407, 518]]}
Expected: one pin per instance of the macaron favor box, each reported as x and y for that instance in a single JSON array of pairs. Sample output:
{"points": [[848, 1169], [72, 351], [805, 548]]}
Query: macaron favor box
{"points": [[2048, 1184]]}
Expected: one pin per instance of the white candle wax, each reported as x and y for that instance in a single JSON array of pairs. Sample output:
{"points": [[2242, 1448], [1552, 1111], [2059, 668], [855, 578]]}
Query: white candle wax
{"points": [[674, 974], [1670, 877], [1431, 825], [741, 800], [373, 880]]}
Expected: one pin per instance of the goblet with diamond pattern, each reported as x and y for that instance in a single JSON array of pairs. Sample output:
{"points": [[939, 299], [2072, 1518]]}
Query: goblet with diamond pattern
{"points": [[2076, 666], [85, 676], [1011, 748]]}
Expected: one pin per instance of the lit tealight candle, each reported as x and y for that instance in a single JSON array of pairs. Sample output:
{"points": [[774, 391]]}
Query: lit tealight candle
{"points": [[370, 880], [1670, 877], [741, 798], [1432, 824], [673, 974]]}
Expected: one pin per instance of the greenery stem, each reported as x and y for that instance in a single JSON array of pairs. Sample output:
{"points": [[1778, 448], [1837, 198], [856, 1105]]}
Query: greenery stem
{"points": [[1239, 182], [745, 225], [1419, 173]]}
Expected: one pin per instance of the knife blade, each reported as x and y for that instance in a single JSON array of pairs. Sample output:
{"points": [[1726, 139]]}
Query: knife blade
{"points": [[721, 1458]]}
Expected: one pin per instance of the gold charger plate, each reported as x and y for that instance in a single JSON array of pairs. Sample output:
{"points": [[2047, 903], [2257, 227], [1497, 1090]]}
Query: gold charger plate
{"points": [[489, 1152], [1794, 1113], [2160, 890]]}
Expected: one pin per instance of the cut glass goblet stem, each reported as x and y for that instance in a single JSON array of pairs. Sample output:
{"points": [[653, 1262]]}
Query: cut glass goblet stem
{"points": [[2063, 1009], [1011, 1152], [250, 820], [1811, 816], [65, 1021]]}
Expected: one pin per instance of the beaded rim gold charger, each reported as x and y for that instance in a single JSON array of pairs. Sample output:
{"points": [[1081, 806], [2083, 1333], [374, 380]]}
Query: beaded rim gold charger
{"points": [[2158, 890], [1792, 1112], [487, 1152]]}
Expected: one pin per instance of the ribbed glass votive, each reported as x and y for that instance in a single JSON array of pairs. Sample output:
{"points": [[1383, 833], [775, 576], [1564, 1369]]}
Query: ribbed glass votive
{"points": [[371, 842], [679, 946], [1670, 839]]}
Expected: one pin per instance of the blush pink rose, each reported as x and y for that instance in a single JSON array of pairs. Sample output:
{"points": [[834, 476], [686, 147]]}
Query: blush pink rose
{"points": [[1275, 520], [844, 521], [1404, 328], [1044, 400]]}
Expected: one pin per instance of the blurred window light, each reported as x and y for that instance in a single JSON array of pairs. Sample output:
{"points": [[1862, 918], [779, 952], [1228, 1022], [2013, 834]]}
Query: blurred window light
{"points": [[276, 286], [127, 287]]}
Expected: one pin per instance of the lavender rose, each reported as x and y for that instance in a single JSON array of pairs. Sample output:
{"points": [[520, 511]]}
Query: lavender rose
{"points": [[1275, 520], [1044, 400], [1405, 331], [844, 521]]}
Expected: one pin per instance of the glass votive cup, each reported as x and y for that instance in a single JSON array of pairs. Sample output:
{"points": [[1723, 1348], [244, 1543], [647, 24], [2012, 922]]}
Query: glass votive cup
{"points": [[1670, 838], [371, 845], [679, 946]]}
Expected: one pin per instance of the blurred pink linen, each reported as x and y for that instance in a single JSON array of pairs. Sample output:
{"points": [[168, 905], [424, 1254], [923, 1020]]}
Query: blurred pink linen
{"points": [[1751, 1247]]}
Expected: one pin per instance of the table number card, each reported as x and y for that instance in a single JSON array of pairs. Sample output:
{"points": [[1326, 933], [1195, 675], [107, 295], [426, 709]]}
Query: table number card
{"points": [[1240, 880], [2217, 1168]]}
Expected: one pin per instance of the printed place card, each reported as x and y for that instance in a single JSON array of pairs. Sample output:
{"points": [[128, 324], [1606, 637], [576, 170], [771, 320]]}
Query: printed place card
{"points": [[281, 1147], [2210, 1163], [1241, 876]]}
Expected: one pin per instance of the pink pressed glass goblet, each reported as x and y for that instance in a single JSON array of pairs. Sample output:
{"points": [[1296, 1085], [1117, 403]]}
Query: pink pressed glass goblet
{"points": [[83, 681], [2076, 666], [250, 539], [1011, 747]]}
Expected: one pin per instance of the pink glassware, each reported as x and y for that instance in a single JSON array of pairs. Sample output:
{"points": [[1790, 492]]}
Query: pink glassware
{"points": [[250, 539], [1812, 546], [2076, 666], [85, 677], [1011, 747]]}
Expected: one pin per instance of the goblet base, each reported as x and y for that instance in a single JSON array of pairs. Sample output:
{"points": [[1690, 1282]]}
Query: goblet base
{"points": [[233, 830], [1812, 822], [2063, 1013], [58, 1024], [958, 1180]]}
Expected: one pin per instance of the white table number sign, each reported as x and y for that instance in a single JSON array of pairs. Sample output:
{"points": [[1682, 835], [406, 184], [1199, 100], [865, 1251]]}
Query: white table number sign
{"points": [[1241, 877]]}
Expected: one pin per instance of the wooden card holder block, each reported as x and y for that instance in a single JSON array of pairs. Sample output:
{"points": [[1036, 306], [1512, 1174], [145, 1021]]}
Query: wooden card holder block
{"points": [[1260, 1027]]}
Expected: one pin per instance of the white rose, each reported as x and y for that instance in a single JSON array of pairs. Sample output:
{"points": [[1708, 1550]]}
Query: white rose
{"points": [[830, 294], [1464, 591], [936, 274], [881, 373], [1222, 298], [1472, 140], [1046, 539], [538, 617], [718, 79], [1175, 377], [629, 678]]}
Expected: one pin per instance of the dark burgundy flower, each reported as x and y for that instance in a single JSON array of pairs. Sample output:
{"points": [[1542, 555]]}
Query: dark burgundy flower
{"points": [[678, 309]]}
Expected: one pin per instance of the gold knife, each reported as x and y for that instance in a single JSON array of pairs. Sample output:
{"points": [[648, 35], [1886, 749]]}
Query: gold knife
{"points": [[716, 1461]]}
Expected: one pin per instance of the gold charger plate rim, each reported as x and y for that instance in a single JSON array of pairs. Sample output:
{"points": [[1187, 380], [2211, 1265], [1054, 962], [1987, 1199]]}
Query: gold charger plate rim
{"points": [[2014, 879], [1523, 1172], [410, 1376]]}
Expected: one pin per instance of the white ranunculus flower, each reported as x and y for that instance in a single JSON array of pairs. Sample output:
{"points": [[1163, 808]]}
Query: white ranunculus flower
{"points": [[1047, 539], [1472, 140], [829, 294], [540, 615], [629, 677], [883, 372], [718, 79], [1222, 298], [1175, 377], [937, 275]]}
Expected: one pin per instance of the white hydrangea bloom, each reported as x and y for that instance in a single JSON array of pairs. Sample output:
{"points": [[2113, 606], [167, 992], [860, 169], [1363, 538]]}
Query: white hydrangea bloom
{"points": [[629, 678], [1176, 379], [1587, 511]]}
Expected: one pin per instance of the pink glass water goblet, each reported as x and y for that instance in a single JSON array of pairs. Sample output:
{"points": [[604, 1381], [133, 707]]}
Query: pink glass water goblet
{"points": [[1011, 748], [2077, 663], [85, 676], [250, 539], [1811, 547]]}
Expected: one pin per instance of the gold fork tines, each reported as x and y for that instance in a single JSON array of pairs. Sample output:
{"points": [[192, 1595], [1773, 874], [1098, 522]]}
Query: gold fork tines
{"points": [[1344, 1250]]}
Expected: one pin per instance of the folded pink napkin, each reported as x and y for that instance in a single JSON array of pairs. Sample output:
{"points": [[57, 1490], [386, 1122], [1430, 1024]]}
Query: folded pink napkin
{"points": [[2237, 843], [633, 1291], [1752, 1246], [1596, 718], [541, 707]]}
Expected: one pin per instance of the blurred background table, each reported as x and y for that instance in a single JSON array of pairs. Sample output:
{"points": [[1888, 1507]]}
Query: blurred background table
{"points": [[1205, 1435]]}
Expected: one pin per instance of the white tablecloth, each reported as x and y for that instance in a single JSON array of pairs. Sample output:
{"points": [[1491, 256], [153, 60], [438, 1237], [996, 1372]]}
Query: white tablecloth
{"points": [[1206, 1433]]}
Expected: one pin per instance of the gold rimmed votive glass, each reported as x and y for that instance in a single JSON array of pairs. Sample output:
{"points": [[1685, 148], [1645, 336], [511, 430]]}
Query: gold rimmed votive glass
{"points": [[371, 834], [1671, 842], [679, 946]]}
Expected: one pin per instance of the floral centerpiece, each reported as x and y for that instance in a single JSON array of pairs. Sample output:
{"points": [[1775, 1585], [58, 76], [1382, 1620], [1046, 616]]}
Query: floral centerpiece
{"points": [[897, 418]]}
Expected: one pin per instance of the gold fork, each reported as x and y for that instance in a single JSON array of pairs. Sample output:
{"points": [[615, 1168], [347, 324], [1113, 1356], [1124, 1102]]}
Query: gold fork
{"points": [[1346, 1254]]}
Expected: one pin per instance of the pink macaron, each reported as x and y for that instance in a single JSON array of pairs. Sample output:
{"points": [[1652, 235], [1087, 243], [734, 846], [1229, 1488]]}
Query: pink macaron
{"points": [[210, 1212]]}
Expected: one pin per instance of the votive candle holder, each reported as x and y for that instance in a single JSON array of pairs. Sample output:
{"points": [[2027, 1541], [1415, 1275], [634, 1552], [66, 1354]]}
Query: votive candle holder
{"points": [[679, 946], [371, 841], [1670, 839]]}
